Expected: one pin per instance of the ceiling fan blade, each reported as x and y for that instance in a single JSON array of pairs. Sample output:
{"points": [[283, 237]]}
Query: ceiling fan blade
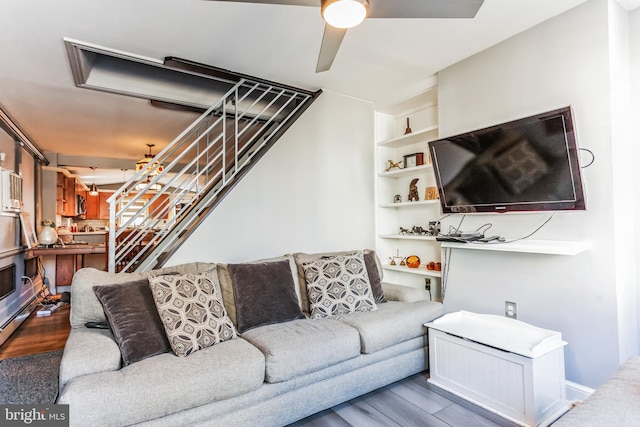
{"points": [[424, 8], [331, 41], [315, 3]]}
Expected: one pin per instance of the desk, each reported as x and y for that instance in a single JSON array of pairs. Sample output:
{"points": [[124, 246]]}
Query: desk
{"points": [[69, 259]]}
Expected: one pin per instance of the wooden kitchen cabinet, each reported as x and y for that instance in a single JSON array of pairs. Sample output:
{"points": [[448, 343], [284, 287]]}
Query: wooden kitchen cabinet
{"points": [[59, 193], [159, 208], [69, 200], [66, 266], [93, 206], [103, 205]]}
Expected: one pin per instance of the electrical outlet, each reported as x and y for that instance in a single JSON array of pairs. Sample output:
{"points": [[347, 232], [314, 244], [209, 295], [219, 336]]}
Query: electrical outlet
{"points": [[510, 309], [427, 284]]}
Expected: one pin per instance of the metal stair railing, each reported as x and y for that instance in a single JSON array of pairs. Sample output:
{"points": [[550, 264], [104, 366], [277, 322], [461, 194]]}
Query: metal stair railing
{"points": [[156, 205]]}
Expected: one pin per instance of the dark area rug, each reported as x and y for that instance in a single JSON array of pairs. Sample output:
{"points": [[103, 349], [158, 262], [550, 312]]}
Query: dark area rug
{"points": [[30, 379]]}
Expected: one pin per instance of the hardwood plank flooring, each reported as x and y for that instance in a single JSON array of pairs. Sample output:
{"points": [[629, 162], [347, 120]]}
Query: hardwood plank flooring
{"points": [[38, 334], [407, 403]]}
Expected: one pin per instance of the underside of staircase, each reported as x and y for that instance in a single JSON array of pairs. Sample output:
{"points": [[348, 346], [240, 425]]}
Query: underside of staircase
{"points": [[200, 166]]}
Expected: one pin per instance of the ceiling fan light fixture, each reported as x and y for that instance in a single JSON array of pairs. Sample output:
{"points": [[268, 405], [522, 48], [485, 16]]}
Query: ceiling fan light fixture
{"points": [[344, 13]]}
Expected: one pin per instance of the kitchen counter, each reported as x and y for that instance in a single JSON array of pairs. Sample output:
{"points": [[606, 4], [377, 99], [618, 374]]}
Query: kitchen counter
{"points": [[71, 250], [70, 258], [88, 233]]}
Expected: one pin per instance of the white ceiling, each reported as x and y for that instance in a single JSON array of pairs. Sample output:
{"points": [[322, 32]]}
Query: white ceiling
{"points": [[382, 60]]}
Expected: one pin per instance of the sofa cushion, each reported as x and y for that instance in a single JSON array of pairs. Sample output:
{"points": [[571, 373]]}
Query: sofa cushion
{"points": [[338, 285], [375, 276], [164, 384], [85, 306], [86, 352], [371, 259], [392, 323], [134, 320], [192, 312], [302, 346], [264, 293], [226, 283]]}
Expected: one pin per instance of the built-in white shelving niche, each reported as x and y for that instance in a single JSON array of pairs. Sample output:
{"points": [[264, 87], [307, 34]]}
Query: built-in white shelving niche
{"points": [[392, 144]]}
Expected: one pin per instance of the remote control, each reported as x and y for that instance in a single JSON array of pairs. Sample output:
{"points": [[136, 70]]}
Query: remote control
{"points": [[97, 325]]}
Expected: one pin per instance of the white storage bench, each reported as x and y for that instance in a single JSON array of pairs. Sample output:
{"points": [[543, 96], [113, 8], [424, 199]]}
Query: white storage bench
{"points": [[509, 367]]}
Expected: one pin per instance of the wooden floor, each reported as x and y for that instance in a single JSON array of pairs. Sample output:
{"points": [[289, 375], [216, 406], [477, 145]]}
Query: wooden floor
{"points": [[38, 334], [411, 402]]}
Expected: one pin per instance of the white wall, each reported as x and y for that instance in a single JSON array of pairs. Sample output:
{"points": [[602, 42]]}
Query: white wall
{"points": [[313, 191], [563, 61], [634, 56], [623, 176], [10, 234]]}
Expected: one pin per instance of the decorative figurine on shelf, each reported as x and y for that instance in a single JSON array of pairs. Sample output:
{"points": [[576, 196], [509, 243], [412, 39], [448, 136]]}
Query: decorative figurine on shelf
{"points": [[392, 259], [418, 231], [403, 262], [404, 231], [431, 193], [408, 129], [413, 191], [397, 198], [434, 228], [413, 261], [435, 266], [393, 165]]}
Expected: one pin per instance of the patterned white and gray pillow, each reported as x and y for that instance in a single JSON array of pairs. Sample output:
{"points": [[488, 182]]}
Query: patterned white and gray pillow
{"points": [[338, 285], [190, 307]]}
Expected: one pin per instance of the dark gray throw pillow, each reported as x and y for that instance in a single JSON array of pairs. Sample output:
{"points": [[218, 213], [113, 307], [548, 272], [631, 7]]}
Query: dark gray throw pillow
{"points": [[264, 294], [134, 320], [374, 276]]}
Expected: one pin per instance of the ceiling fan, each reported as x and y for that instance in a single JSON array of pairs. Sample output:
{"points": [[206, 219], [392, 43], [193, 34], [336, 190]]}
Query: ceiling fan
{"points": [[340, 15]]}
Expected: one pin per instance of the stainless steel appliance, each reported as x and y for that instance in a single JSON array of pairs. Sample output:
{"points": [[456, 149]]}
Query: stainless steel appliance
{"points": [[81, 206]]}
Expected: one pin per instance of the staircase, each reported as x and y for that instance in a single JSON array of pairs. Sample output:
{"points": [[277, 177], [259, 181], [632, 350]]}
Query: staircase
{"points": [[156, 210]]}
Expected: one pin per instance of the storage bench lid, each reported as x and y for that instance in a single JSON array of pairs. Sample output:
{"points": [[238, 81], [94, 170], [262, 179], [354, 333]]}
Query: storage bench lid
{"points": [[500, 332]]}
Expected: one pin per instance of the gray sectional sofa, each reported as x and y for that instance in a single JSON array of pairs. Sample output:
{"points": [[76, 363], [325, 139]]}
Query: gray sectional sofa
{"points": [[615, 403], [269, 375]]}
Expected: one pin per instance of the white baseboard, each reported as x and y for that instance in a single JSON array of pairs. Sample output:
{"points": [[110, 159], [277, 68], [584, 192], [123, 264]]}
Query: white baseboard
{"points": [[577, 391], [17, 319]]}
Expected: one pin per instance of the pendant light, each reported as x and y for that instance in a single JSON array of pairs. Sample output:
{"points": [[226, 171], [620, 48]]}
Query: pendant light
{"points": [[93, 191], [153, 168]]}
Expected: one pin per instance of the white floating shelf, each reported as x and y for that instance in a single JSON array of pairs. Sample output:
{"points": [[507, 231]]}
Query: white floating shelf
{"points": [[397, 173], [426, 134], [550, 247], [407, 204], [420, 271], [423, 100], [406, 237]]}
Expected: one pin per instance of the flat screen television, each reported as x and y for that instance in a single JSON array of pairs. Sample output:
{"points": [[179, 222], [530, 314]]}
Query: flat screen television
{"points": [[530, 164]]}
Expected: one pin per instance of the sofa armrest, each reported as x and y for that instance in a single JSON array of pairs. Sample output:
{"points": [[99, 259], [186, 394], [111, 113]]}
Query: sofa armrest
{"points": [[614, 403], [88, 351], [393, 292]]}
